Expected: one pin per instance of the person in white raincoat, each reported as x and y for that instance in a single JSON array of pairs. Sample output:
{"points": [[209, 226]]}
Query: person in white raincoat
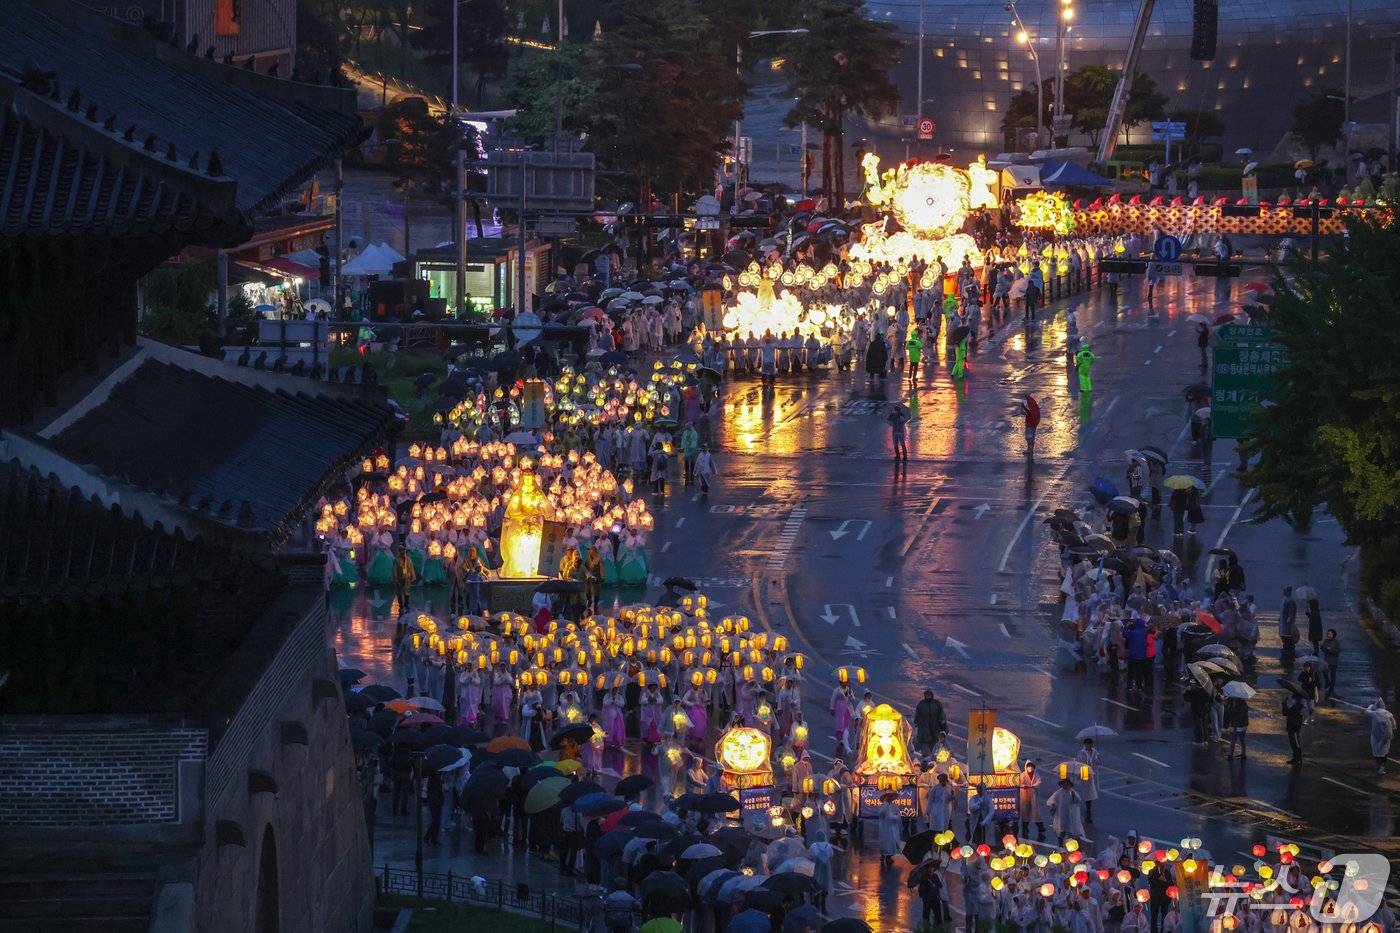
{"points": [[891, 823], [1029, 782], [1065, 805], [1089, 790], [1382, 732]]}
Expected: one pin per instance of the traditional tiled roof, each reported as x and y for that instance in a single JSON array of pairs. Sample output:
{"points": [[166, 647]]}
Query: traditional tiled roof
{"points": [[175, 109], [244, 455], [57, 184], [58, 543]]}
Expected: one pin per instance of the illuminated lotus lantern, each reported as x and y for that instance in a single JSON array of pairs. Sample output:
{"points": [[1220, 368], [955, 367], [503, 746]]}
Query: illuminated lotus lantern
{"points": [[929, 199], [1006, 748], [745, 755], [884, 743]]}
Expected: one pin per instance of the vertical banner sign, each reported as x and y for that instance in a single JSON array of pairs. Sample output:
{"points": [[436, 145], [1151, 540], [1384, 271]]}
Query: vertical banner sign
{"points": [[532, 410], [980, 725], [1194, 901], [712, 309], [551, 548], [1249, 187]]}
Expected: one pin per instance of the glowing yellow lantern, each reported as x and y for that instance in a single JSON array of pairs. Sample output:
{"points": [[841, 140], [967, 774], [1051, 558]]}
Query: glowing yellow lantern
{"points": [[744, 750]]}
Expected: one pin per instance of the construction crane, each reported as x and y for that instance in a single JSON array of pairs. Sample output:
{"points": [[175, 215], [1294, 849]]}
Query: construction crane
{"points": [[1116, 110]]}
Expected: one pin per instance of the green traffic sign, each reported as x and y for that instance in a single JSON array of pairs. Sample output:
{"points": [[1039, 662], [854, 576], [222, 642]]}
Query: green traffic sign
{"points": [[1246, 333], [1241, 379]]}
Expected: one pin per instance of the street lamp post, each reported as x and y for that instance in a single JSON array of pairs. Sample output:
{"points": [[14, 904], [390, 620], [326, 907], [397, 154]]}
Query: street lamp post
{"points": [[1024, 37], [738, 120], [1061, 53], [919, 109]]}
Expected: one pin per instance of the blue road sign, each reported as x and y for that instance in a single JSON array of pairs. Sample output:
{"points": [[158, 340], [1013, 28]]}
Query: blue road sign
{"points": [[1167, 249]]}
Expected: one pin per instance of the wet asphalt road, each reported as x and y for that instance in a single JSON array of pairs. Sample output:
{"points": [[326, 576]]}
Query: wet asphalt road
{"points": [[941, 574]]}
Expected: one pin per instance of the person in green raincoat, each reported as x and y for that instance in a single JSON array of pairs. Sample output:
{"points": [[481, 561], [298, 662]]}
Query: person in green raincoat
{"points": [[1084, 362], [914, 347], [960, 359]]}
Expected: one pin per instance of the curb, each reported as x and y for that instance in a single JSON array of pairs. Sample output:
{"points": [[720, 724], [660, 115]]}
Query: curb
{"points": [[1379, 624]]}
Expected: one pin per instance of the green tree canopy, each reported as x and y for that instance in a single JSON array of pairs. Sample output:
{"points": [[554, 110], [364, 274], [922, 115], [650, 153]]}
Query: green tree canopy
{"points": [[531, 89], [1145, 103], [841, 66], [423, 143], [1200, 125], [1088, 94], [665, 100], [1331, 437], [1317, 120]]}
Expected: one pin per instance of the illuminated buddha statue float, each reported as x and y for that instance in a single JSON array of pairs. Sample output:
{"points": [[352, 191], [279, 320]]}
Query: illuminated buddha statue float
{"points": [[884, 743], [522, 533]]}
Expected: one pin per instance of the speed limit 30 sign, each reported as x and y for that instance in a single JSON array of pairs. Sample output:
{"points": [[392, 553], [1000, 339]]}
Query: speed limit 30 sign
{"points": [[926, 128]]}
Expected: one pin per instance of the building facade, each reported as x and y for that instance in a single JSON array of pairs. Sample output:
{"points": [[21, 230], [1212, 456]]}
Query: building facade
{"points": [[1269, 54]]}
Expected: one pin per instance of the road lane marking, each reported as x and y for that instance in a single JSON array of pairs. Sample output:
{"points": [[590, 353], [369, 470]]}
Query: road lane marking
{"points": [[1030, 513], [971, 693], [1171, 333], [665, 547], [1053, 725], [1156, 351], [1116, 703], [680, 521], [889, 581], [1147, 363], [909, 651], [890, 611], [1220, 542], [923, 520], [1002, 626], [778, 558], [1153, 760], [994, 599], [1043, 671], [1354, 790]]}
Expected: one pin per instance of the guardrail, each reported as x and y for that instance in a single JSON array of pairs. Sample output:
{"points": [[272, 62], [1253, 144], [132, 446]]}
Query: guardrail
{"points": [[568, 911]]}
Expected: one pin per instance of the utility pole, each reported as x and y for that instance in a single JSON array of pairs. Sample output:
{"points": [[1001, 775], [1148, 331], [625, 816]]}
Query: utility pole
{"points": [[559, 83], [918, 110], [459, 216]]}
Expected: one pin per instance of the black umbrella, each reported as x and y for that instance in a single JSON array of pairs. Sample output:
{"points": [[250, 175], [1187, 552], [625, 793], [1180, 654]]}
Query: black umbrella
{"points": [[384, 721], [350, 675], [559, 586], [441, 756], [801, 918], [638, 817], [516, 758], [791, 882], [1195, 391], [580, 732], [462, 735], [601, 807], [613, 843], [1291, 685], [656, 829], [733, 840], [665, 892], [699, 868], [381, 693], [485, 787], [673, 849], [686, 801], [633, 785], [415, 738], [580, 789], [679, 583], [960, 333], [1220, 551], [613, 358], [358, 702], [1155, 453], [919, 846], [362, 740], [717, 803]]}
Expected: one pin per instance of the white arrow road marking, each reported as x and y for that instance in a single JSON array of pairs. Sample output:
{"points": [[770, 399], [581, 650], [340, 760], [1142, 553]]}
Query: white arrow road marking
{"points": [[1153, 760], [959, 647], [854, 643], [831, 617], [841, 532], [982, 510]]}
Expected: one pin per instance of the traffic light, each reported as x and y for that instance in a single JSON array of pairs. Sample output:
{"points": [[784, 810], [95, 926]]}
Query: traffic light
{"points": [[1205, 17]]}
